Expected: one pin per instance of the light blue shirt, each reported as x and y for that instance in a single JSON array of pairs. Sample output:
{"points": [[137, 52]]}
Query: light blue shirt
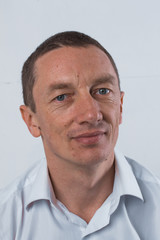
{"points": [[30, 211]]}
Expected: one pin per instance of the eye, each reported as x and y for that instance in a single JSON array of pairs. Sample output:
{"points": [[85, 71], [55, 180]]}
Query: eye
{"points": [[103, 91], [61, 98]]}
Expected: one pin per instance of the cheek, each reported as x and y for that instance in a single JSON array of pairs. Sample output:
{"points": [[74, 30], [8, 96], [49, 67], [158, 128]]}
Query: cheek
{"points": [[61, 120], [54, 126], [111, 112]]}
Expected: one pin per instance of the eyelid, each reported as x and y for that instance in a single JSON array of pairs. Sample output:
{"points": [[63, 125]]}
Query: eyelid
{"points": [[97, 89], [67, 95]]}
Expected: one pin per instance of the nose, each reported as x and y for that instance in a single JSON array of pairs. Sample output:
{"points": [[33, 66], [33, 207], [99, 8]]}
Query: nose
{"points": [[88, 111]]}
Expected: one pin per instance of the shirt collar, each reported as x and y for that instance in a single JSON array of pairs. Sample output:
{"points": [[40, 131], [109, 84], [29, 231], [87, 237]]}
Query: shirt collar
{"points": [[125, 182], [39, 186]]}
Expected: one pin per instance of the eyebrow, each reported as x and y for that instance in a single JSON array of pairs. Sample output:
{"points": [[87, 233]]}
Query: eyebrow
{"points": [[58, 86], [105, 79]]}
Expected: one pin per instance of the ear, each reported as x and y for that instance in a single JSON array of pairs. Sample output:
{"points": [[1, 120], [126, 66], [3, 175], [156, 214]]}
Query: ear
{"points": [[121, 106], [30, 120]]}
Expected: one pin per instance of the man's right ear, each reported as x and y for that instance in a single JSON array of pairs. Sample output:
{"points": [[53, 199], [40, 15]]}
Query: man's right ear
{"points": [[30, 120]]}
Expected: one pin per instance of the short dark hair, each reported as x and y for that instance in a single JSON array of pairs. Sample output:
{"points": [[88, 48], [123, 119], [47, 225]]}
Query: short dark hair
{"points": [[68, 38]]}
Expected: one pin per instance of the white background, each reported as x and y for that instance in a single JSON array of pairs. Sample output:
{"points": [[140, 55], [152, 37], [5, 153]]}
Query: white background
{"points": [[129, 30]]}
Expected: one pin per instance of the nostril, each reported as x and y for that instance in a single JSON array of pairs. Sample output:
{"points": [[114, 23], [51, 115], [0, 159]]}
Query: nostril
{"points": [[100, 116]]}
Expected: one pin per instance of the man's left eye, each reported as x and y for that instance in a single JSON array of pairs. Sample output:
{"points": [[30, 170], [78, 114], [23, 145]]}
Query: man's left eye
{"points": [[61, 98], [103, 91]]}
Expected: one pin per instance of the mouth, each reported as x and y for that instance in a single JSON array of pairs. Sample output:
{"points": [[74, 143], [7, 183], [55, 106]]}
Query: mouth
{"points": [[90, 138]]}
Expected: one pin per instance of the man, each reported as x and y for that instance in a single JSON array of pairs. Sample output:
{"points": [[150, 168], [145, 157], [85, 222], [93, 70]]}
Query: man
{"points": [[84, 189]]}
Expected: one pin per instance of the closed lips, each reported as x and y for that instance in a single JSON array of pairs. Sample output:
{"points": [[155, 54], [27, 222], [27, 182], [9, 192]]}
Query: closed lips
{"points": [[88, 134]]}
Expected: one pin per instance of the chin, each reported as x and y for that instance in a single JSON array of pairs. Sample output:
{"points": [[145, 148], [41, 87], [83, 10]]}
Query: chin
{"points": [[93, 159]]}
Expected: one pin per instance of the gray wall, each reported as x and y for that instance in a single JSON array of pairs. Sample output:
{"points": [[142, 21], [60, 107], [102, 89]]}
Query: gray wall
{"points": [[130, 30]]}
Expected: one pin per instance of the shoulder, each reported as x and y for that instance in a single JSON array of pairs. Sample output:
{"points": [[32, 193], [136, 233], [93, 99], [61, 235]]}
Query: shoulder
{"points": [[17, 187], [12, 197], [148, 182], [12, 202], [144, 214], [142, 173]]}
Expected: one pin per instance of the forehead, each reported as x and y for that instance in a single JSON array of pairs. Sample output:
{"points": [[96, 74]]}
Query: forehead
{"points": [[69, 62]]}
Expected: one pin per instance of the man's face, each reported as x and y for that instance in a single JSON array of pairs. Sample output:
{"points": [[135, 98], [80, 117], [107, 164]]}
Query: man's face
{"points": [[78, 105]]}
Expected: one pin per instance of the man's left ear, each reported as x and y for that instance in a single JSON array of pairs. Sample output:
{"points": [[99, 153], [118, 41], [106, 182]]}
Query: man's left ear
{"points": [[121, 106], [30, 120]]}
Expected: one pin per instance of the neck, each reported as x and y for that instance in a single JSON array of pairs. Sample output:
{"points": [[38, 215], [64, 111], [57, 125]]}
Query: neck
{"points": [[82, 189]]}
